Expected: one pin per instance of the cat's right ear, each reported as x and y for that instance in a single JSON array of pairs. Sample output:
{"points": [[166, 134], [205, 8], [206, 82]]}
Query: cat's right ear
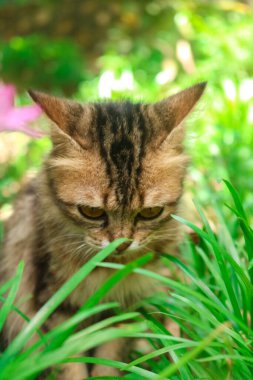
{"points": [[55, 108], [64, 113]]}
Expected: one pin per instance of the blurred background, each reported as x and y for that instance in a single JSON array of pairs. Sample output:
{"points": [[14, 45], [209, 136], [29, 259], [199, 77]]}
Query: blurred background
{"points": [[142, 50]]}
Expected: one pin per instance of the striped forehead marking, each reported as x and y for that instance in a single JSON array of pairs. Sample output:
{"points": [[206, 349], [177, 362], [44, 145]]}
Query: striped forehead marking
{"points": [[121, 133]]}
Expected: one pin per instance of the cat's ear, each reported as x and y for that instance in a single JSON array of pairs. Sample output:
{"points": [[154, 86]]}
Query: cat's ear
{"points": [[64, 113], [173, 110]]}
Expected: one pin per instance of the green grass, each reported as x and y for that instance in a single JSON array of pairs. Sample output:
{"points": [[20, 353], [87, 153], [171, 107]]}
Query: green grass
{"points": [[210, 299]]}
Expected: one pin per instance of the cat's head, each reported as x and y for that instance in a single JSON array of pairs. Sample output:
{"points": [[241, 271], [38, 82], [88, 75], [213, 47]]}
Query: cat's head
{"points": [[117, 168]]}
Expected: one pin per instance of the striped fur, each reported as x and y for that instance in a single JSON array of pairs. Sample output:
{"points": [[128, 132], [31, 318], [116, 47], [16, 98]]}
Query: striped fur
{"points": [[120, 157]]}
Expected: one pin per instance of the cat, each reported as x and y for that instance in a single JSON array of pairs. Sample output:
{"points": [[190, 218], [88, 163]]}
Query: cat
{"points": [[116, 169]]}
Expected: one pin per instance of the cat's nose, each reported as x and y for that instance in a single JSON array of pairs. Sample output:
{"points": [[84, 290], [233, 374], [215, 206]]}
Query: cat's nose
{"points": [[122, 247]]}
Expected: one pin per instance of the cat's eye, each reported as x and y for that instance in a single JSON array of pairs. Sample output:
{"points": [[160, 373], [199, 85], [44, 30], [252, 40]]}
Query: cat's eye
{"points": [[150, 212], [91, 212]]}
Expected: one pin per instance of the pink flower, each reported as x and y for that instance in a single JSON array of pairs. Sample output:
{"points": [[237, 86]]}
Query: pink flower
{"points": [[16, 118]]}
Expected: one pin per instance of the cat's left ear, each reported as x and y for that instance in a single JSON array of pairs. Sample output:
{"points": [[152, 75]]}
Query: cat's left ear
{"points": [[172, 111]]}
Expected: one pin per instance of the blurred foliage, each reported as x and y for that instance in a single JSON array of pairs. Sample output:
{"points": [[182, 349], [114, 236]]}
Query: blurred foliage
{"points": [[144, 50], [41, 63], [29, 157]]}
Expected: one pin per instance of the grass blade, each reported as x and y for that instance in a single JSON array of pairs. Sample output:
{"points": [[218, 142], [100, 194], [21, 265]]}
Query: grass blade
{"points": [[20, 341], [8, 304]]}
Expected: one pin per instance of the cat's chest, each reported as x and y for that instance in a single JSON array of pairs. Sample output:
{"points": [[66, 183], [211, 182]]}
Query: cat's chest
{"points": [[129, 290]]}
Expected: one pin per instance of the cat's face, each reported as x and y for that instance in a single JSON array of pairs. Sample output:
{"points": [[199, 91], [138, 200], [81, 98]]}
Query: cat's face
{"points": [[116, 169]]}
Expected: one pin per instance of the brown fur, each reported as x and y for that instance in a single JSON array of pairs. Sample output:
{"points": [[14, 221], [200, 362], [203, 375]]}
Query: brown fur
{"points": [[119, 157]]}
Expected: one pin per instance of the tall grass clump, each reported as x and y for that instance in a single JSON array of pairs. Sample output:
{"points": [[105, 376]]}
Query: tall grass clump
{"points": [[208, 297]]}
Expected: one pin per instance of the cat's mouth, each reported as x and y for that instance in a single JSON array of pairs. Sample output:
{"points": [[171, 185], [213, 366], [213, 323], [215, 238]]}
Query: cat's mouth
{"points": [[123, 249], [125, 256], [125, 253]]}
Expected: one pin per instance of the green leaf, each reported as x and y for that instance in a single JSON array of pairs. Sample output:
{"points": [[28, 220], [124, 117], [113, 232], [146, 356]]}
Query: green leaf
{"points": [[191, 354], [8, 304], [41, 316]]}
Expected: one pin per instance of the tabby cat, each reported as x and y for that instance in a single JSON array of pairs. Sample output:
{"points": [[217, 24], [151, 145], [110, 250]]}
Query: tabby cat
{"points": [[116, 169]]}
